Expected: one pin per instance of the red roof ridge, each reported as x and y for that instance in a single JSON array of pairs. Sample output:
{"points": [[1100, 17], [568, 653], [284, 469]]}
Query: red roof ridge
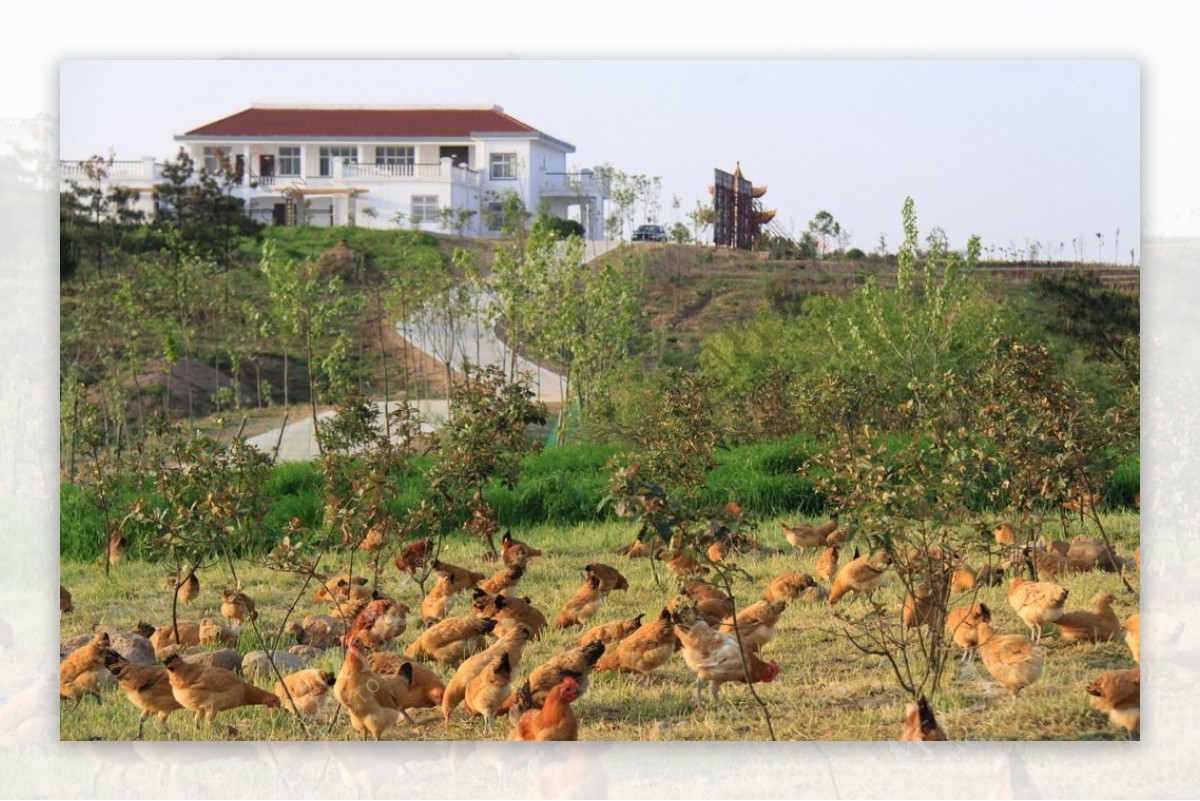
{"points": [[381, 107]]}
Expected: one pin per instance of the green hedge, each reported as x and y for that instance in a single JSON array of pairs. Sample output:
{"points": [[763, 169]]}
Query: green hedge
{"points": [[562, 485]]}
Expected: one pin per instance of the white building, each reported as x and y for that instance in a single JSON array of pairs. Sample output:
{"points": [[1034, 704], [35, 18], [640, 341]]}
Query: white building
{"points": [[383, 166]]}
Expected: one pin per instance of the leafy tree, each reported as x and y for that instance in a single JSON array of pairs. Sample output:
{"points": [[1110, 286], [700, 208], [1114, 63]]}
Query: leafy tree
{"points": [[1098, 319], [305, 309], [484, 440], [679, 233], [823, 229]]}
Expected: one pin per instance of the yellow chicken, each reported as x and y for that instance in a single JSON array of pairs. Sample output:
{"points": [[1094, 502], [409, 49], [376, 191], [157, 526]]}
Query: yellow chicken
{"points": [[755, 624], [1099, 626], [807, 535], [1036, 602], [306, 692], [83, 671], [374, 703], [488, 689], [864, 574], [645, 650], [583, 606], [1118, 694], [1012, 659], [1133, 636]]}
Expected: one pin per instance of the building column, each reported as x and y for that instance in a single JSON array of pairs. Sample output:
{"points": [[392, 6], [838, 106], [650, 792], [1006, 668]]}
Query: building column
{"points": [[249, 167]]}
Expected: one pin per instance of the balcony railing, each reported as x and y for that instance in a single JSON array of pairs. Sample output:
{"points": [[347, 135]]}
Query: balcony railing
{"points": [[141, 170], [439, 171], [584, 182]]}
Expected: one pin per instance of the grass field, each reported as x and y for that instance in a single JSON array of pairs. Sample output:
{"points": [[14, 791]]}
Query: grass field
{"points": [[826, 689]]}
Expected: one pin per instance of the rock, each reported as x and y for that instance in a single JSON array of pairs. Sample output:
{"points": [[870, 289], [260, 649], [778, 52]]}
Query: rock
{"points": [[256, 665], [225, 658]]}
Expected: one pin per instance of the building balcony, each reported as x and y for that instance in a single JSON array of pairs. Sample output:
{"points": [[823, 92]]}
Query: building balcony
{"points": [[86, 170], [583, 183], [441, 171]]}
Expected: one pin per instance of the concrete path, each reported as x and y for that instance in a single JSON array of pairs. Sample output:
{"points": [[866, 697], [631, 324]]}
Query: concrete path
{"points": [[299, 441]]}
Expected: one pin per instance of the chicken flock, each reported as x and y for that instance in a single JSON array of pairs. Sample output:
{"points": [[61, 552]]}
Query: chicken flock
{"points": [[460, 649]]}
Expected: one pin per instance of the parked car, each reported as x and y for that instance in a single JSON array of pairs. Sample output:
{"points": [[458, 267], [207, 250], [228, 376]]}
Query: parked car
{"points": [[650, 233]]}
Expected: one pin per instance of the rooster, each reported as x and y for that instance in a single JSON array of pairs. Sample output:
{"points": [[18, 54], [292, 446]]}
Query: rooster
{"points": [[555, 720]]}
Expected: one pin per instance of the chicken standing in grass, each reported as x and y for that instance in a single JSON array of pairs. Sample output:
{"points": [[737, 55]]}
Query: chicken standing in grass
{"points": [[716, 658], [807, 535], [210, 690], [1036, 603], [373, 702], [512, 644], [379, 623], [83, 672], [488, 689], [608, 633], [1133, 636], [237, 606], [755, 624], [644, 651], [450, 642], [146, 686], [425, 689], [827, 563], [610, 578], [583, 606], [1012, 659], [864, 574], [577, 663], [962, 624], [305, 692]]}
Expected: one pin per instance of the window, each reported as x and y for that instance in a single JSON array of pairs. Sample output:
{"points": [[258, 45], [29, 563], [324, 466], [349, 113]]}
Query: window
{"points": [[289, 161], [215, 158], [493, 216], [396, 155], [330, 155], [504, 167], [424, 208]]}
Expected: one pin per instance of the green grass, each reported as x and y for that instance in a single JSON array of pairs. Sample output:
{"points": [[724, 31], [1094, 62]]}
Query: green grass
{"points": [[827, 690], [389, 250]]}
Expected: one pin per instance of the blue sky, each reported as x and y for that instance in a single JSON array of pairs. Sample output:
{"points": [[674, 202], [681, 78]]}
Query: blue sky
{"points": [[1016, 151]]}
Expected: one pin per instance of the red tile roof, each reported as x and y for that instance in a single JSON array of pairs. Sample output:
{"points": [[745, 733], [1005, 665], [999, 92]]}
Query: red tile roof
{"points": [[364, 122]]}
